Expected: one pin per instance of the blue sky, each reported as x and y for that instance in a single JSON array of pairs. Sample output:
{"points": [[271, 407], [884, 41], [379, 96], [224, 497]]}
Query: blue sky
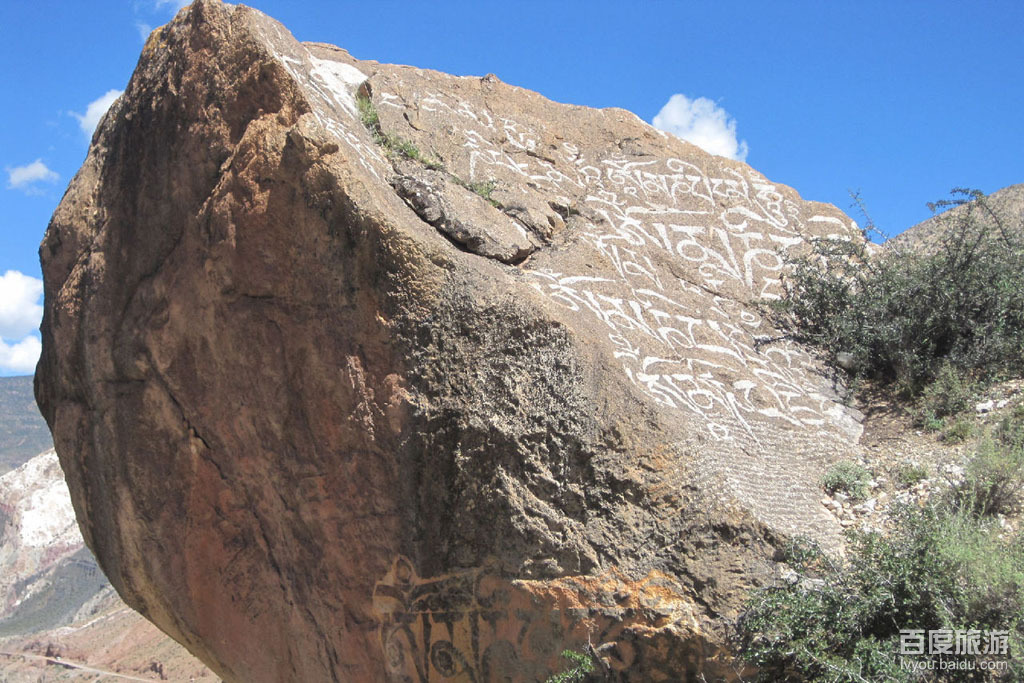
{"points": [[901, 100]]}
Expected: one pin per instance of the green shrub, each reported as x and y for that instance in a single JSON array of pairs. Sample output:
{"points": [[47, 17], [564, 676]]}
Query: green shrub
{"points": [[393, 144], [907, 475], [486, 189], [958, 430], [900, 316], [846, 477], [368, 113], [580, 666], [940, 568], [947, 395], [935, 325], [994, 476]]}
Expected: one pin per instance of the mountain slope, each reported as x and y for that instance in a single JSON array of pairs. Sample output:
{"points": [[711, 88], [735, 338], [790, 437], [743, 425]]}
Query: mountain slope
{"points": [[23, 432], [55, 600], [1007, 204]]}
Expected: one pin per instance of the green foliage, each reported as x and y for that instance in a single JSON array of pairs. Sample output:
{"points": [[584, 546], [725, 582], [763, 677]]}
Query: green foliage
{"points": [[994, 477], [368, 113], [907, 475], [899, 316], [397, 145], [935, 325], [959, 430], [846, 477], [949, 394], [580, 665], [393, 144], [944, 566], [485, 189], [941, 568]]}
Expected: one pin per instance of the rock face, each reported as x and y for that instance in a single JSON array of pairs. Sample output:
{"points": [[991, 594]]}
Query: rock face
{"points": [[431, 399]]}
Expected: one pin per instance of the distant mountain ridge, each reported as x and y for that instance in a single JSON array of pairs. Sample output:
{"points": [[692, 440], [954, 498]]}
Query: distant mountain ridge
{"points": [[46, 573], [1007, 203], [23, 432]]}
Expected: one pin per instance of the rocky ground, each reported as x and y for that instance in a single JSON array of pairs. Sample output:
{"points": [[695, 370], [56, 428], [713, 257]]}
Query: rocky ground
{"points": [[911, 465], [106, 642]]}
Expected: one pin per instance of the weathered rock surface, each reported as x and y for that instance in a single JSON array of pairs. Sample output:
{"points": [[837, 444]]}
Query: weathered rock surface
{"points": [[326, 414]]}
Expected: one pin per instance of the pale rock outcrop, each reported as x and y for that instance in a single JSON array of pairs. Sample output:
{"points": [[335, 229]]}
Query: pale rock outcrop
{"points": [[38, 539]]}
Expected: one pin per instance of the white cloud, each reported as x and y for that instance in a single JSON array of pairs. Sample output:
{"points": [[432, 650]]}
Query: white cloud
{"points": [[20, 314], [95, 111], [21, 357], [25, 177], [703, 123], [144, 30], [20, 311]]}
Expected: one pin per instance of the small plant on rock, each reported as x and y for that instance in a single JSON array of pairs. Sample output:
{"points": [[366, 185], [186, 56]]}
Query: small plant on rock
{"points": [[846, 477], [485, 189], [368, 114], [393, 144], [580, 666], [908, 475]]}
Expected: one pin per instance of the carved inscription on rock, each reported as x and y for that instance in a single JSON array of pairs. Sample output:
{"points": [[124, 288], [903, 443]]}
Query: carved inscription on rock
{"points": [[476, 626]]}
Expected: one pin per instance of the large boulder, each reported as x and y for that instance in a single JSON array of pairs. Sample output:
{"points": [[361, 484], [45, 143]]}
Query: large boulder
{"points": [[436, 397]]}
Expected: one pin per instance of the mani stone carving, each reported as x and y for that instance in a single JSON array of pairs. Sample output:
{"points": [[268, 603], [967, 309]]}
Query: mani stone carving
{"points": [[332, 413]]}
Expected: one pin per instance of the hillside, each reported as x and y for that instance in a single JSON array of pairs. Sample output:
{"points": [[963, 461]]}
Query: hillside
{"points": [[23, 433], [55, 600], [1007, 203]]}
